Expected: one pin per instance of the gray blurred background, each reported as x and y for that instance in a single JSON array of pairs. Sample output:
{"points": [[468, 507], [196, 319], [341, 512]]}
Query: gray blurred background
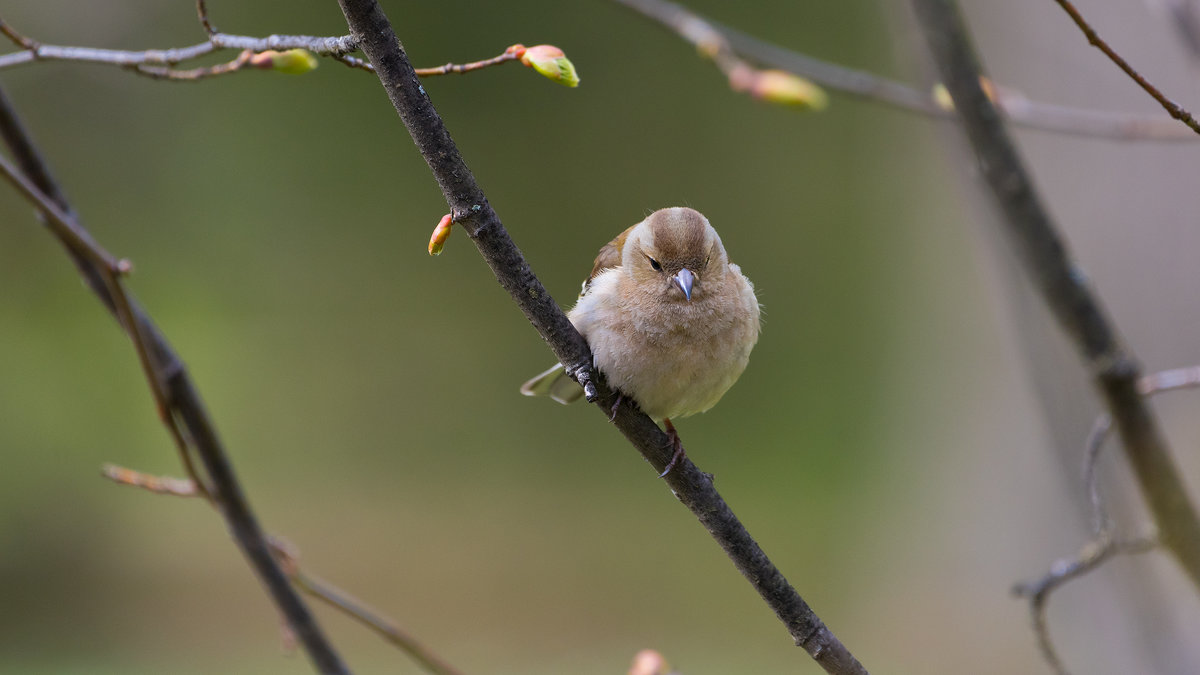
{"points": [[905, 443]]}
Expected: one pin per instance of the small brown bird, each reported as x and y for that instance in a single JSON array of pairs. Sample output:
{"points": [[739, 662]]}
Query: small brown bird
{"points": [[670, 320]]}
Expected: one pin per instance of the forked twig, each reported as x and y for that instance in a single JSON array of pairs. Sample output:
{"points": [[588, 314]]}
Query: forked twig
{"points": [[1095, 553], [180, 407], [162, 63], [1104, 543], [1064, 287]]}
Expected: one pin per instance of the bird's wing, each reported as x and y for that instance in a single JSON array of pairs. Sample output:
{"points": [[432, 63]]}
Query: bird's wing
{"points": [[608, 258]]}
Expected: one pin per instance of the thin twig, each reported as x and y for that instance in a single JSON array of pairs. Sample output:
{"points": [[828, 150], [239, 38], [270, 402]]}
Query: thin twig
{"points": [[1156, 383], [355, 62], [194, 74], [1064, 287], [1172, 108], [160, 63], [471, 210], [357, 610], [162, 485], [458, 68], [1091, 460], [32, 51], [710, 42], [182, 411], [1093, 554], [1104, 543], [1017, 108], [202, 14]]}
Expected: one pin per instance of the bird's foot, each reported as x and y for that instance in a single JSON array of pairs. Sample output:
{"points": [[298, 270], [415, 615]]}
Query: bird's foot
{"points": [[676, 444], [582, 373], [612, 417]]}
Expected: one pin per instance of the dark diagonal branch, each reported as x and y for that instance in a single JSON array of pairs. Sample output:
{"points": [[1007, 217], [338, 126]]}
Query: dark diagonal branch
{"points": [[1018, 109], [180, 406], [470, 209], [1094, 39], [1063, 286]]}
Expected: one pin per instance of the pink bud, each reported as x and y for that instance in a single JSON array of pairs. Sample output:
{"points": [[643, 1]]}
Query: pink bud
{"points": [[551, 62], [440, 234]]}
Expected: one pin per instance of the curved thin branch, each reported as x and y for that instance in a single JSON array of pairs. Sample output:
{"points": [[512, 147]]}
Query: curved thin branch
{"points": [[1104, 543], [470, 209], [1018, 109], [1094, 39], [181, 409], [1063, 286], [1094, 554]]}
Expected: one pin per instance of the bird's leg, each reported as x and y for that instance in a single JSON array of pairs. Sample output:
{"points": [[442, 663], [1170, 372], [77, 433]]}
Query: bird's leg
{"points": [[613, 411], [675, 443]]}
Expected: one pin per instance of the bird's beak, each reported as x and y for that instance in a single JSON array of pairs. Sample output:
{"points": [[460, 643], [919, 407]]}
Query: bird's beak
{"points": [[683, 281]]}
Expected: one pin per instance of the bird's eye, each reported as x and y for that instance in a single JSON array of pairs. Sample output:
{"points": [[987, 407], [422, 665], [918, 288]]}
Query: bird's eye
{"points": [[654, 264]]}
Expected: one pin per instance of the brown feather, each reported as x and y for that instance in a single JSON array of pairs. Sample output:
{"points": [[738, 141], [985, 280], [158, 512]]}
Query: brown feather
{"points": [[609, 256]]}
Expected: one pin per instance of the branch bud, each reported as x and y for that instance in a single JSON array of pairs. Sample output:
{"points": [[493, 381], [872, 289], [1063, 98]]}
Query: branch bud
{"points": [[550, 61], [650, 662], [292, 61], [784, 88], [943, 100], [440, 234]]}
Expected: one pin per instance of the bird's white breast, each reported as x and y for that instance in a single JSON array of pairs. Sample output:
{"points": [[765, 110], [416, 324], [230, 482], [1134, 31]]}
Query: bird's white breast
{"points": [[674, 358]]}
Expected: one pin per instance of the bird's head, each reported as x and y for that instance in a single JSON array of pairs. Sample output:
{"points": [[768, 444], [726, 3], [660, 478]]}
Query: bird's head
{"points": [[673, 252]]}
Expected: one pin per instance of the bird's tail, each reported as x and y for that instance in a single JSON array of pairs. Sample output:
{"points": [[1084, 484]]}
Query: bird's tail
{"points": [[555, 384]]}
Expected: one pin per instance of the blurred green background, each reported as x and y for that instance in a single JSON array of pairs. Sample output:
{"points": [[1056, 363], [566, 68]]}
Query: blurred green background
{"points": [[885, 446]]}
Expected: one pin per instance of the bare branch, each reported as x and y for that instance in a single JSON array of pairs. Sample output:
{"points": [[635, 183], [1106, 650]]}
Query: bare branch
{"points": [[32, 50], [355, 609], [1156, 383], [509, 54], [1104, 544], [182, 411], [202, 14], [160, 63], [1096, 41], [1017, 108], [162, 485], [1093, 554], [471, 210], [1064, 287], [167, 73]]}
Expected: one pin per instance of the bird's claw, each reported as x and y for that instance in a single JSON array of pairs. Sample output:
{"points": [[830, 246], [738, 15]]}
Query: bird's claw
{"points": [[582, 373], [612, 417], [677, 444]]}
